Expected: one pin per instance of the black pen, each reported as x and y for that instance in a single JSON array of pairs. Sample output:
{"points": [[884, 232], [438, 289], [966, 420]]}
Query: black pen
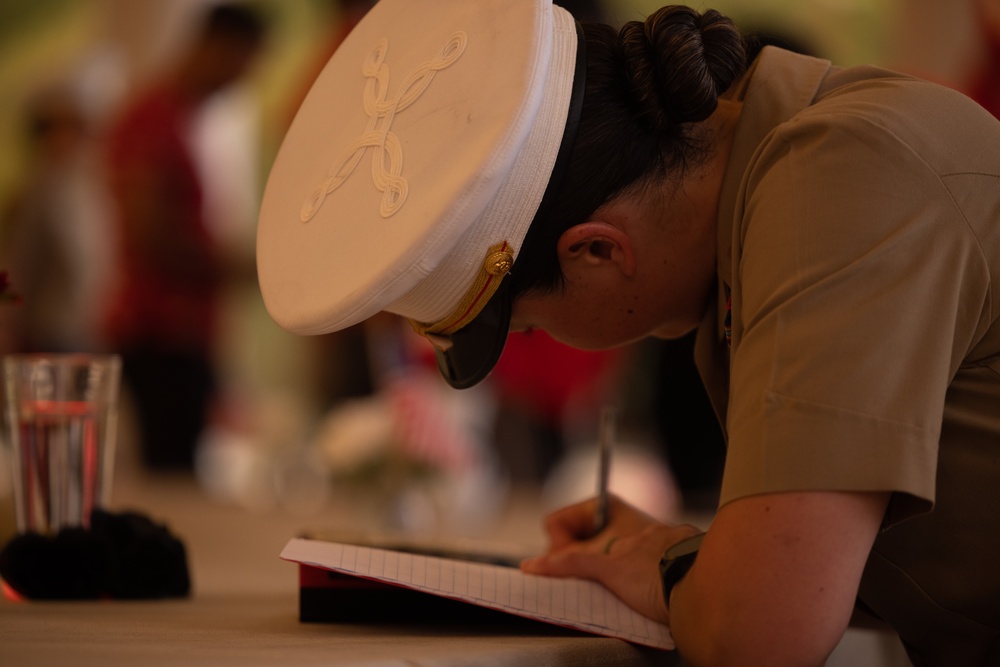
{"points": [[607, 438]]}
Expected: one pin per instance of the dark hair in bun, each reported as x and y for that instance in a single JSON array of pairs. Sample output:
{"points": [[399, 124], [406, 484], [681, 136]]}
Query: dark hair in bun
{"points": [[647, 87], [678, 62]]}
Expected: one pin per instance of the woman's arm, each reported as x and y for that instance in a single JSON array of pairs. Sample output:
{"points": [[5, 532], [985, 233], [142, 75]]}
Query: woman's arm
{"points": [[774, 582], [776, 578]]}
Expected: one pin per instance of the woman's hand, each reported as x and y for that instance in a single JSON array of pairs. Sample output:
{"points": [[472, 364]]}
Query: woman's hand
{"points": [[774, 583], [624, 557]]}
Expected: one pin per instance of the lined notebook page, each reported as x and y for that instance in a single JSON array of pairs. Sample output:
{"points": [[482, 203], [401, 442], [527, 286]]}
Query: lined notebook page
{"points": [[573, 603]]}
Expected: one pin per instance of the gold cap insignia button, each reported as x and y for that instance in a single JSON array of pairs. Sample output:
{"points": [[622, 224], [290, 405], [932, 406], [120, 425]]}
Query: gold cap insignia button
{"points": [[498, 263]]}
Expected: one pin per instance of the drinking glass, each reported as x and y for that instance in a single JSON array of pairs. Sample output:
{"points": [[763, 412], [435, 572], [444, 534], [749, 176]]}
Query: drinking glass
{"points": [[61, 422]]}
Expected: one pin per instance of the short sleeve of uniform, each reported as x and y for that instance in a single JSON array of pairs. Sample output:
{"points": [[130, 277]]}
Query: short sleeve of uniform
{"points": [[857, 289]]}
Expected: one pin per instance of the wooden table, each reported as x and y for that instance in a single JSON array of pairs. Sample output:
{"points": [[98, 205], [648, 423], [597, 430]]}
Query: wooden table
{"points": [[244, 609], [244, 606]]}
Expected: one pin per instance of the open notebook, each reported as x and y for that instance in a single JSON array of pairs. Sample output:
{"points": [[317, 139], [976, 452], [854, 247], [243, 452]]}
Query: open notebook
{"points": [[571, 603]]}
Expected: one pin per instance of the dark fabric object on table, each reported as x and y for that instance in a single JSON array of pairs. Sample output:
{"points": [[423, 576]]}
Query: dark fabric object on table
{"points": [[121, 556]]}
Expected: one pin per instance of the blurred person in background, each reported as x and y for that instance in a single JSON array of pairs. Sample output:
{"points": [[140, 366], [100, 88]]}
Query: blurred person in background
{"points": [[164, 317], [58, 242]]}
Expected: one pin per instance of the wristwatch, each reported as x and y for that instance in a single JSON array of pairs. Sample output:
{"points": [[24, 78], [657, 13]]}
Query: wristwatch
{"points": [[676, 562]]}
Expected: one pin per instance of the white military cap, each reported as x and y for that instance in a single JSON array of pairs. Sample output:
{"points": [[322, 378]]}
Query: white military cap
{"points": [[414, 168]]}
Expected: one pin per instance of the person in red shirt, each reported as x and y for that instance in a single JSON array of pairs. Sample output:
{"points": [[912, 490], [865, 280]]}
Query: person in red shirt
{"points": [[163, 316]]}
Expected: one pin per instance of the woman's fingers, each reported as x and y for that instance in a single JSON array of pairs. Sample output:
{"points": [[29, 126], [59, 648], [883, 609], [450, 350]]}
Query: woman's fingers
{"points": [[575, 523], [571, 524]]}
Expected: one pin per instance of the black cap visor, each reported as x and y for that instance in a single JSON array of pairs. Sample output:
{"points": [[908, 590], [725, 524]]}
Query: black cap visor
{"points": [[467, 356]]}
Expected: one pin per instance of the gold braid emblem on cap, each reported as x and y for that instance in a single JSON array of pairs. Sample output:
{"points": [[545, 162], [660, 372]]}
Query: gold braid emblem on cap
{"points": [[499, 260], [378, 135]]}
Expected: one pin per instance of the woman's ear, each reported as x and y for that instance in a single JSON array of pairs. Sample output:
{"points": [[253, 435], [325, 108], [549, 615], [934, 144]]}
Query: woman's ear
{"points": [[597, 243]]}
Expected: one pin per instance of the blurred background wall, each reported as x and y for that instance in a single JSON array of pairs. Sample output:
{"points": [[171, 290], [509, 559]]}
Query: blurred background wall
{"points": [[107, 46], [937, 39], [112, 43]]}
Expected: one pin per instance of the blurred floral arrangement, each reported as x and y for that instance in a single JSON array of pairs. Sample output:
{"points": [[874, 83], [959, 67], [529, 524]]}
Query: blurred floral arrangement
{"points": [[414, 439], [413, 456], [406, 429], [6, 294]]}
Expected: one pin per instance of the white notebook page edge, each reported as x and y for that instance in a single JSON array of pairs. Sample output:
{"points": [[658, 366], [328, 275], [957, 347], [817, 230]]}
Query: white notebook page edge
{"points": [[573, 603]]}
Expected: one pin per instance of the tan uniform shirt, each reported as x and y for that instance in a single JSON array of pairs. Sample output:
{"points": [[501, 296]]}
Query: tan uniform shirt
{"points": [[859, 243]]}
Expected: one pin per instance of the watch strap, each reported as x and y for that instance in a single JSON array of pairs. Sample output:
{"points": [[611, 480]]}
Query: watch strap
{"points": [[676, 562]]}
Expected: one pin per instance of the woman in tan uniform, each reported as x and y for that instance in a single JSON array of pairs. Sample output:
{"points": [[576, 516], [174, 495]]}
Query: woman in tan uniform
{"points": [[843, 230], [834, 236]]}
